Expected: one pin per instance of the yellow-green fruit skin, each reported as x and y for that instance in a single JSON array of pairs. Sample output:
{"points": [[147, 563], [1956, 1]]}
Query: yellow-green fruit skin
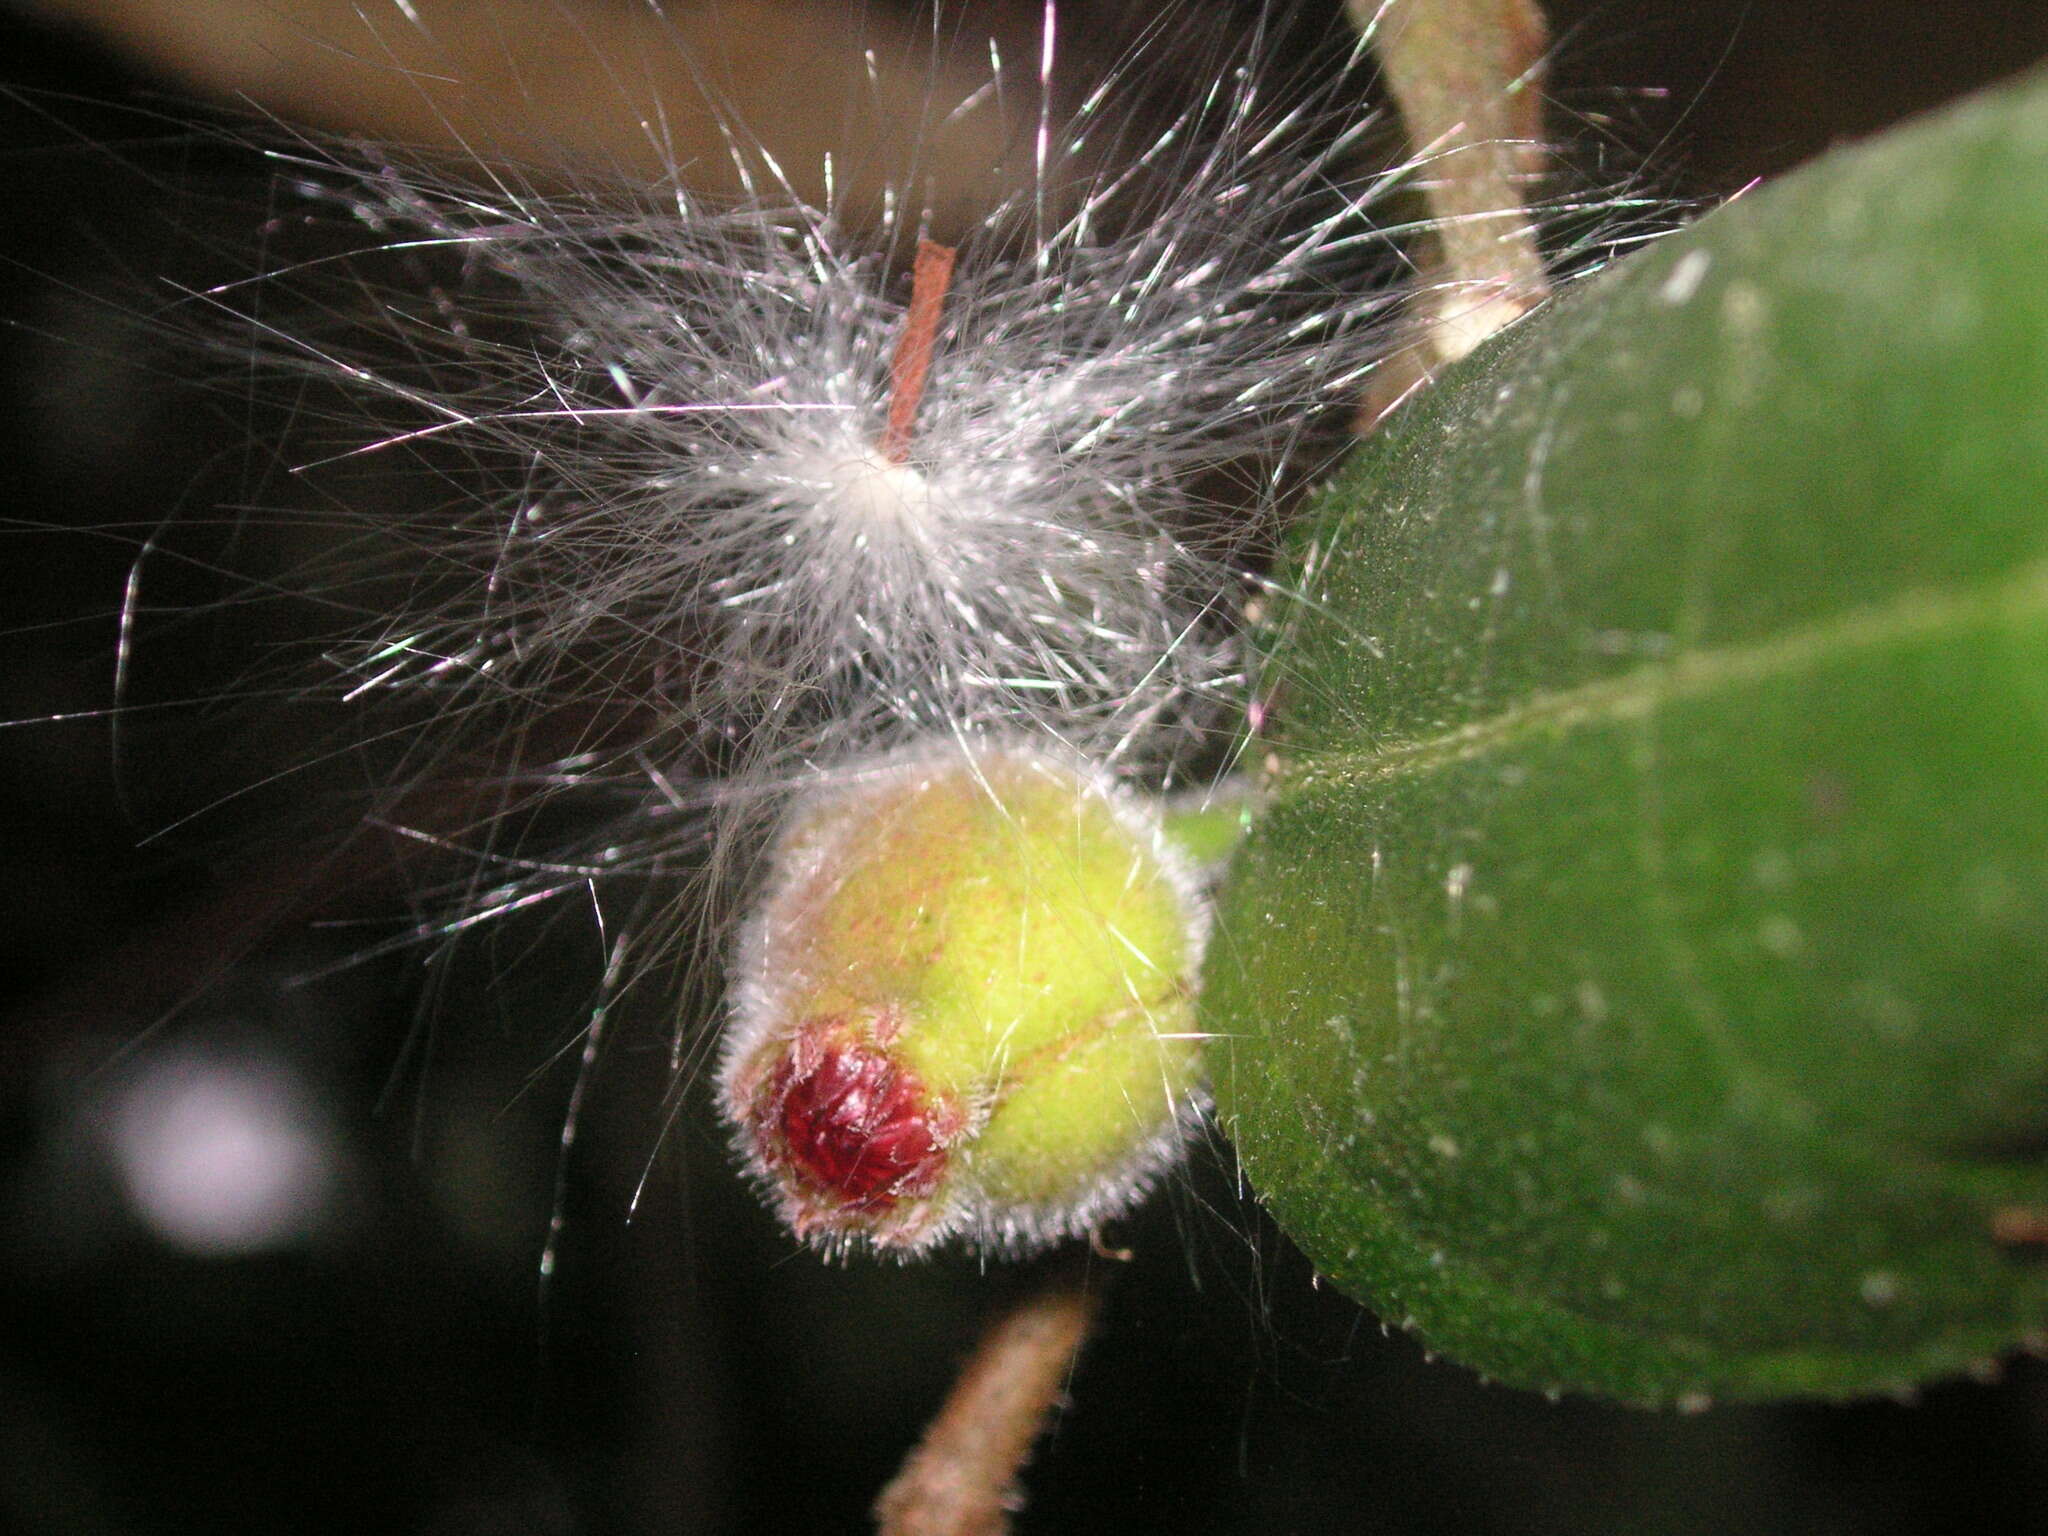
{"points": [[963, 1007]]}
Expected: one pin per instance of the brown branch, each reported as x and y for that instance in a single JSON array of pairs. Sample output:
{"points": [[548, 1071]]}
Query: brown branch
{"points": [[2020, 1226], [636, 94], [962, 1478]]}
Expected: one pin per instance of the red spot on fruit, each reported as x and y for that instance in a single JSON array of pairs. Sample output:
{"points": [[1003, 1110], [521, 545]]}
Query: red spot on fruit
{"points": [[854, 1123]]}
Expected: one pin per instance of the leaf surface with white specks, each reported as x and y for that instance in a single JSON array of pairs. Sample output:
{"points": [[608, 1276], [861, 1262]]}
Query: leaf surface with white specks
{"points": [[1640, 980]]}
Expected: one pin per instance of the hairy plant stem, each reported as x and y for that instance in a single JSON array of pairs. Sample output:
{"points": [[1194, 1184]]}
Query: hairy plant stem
{"points": [[961, 1480]]}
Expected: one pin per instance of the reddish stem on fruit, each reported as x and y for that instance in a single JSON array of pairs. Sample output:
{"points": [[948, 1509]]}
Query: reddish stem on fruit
{"points": [[962, 1478], [930, 277]]}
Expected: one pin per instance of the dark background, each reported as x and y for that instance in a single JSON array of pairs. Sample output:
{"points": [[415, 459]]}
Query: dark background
{"points": [[396, 1367]]}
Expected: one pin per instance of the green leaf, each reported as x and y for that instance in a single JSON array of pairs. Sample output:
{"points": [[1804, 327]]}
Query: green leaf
{"points": [[1639, 984]]}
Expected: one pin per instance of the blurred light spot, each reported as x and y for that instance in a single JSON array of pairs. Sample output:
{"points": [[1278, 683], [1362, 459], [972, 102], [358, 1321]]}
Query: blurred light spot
{"points": [[221, 1155]]}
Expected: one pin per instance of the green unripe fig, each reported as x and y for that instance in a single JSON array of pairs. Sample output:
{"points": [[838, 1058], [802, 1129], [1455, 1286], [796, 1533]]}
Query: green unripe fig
{"points": [[963, 1007]]}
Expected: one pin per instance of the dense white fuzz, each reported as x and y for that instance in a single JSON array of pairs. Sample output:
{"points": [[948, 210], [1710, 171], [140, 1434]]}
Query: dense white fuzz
{"points": [[670, 422]]}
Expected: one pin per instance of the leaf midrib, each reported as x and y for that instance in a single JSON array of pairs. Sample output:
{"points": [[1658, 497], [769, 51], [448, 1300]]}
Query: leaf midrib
{"points": [[1698, 674]]}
